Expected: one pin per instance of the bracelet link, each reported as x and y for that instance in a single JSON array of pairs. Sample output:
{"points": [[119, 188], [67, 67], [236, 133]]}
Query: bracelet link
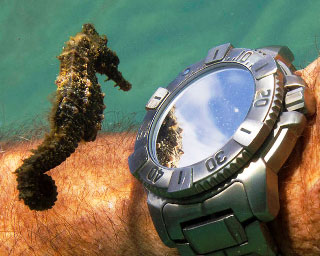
{"points": [[211, 229], [230, 230], [259, 242]]}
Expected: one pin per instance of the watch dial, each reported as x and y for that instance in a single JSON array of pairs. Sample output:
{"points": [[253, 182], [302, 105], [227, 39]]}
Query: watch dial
{"points": [[203, 116]]}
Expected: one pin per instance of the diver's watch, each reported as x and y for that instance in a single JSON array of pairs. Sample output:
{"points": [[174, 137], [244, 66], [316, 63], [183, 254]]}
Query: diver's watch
{"points": [[210, 147]]}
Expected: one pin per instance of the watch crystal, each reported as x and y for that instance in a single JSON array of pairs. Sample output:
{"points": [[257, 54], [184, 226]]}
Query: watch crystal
{"points": [[203, 116]]}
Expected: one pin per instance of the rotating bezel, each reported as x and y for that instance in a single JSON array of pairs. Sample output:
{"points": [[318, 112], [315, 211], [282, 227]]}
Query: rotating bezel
{"points": [[222, 164]]}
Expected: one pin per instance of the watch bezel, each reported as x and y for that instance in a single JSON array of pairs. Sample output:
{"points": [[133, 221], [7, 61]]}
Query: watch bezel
{"points": [[201, 176]]}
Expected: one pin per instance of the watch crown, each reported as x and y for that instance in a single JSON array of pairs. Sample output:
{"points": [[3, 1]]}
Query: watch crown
{"points": [[302, 100]]}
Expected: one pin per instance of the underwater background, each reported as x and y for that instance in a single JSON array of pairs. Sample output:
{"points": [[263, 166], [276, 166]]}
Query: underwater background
{"points": [[154, 40]]}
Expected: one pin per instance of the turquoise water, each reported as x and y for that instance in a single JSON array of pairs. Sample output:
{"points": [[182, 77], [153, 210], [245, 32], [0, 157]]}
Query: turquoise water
{"points": [[154, 40]]}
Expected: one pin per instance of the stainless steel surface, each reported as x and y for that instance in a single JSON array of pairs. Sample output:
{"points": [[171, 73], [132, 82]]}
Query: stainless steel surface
{"points": [[217, 53], [156, 98], [232, 197], [265, 109], [230, 230], [293, 82], [218, 206], [301, 99], [279, 52], [251, 196], [283, 139]]}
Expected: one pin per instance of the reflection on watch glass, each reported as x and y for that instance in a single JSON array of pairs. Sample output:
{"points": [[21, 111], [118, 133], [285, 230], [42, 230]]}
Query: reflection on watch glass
{"points": [[204, 116]]}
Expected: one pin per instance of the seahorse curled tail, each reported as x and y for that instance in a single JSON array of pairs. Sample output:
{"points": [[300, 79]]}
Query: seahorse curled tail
{"points": [[76, 115]]}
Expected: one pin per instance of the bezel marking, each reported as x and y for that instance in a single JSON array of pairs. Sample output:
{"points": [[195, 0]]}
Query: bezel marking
{"points": [[138, 159], [264, 67], [186, 182], [217, 53], [157, 98], [161, 183], [238, 150], [249, 140]]}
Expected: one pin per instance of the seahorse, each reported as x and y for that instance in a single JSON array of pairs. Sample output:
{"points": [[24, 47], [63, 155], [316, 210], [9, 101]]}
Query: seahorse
{"points": [[76, 114]]}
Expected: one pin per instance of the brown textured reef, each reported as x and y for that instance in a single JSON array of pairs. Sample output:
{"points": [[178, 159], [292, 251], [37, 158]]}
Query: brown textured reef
{"points": [[76, 114], [169, 141]]}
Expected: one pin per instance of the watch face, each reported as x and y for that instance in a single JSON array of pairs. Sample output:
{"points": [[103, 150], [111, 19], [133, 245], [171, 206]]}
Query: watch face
{"points": [[203, 116], [208, 122]]}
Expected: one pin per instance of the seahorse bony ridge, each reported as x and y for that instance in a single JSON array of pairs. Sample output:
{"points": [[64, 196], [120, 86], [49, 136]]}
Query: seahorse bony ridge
{"points": [[76, 114]]}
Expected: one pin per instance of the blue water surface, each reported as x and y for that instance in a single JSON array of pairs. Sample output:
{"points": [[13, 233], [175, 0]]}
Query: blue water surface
{"points": [[155, 40]]}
